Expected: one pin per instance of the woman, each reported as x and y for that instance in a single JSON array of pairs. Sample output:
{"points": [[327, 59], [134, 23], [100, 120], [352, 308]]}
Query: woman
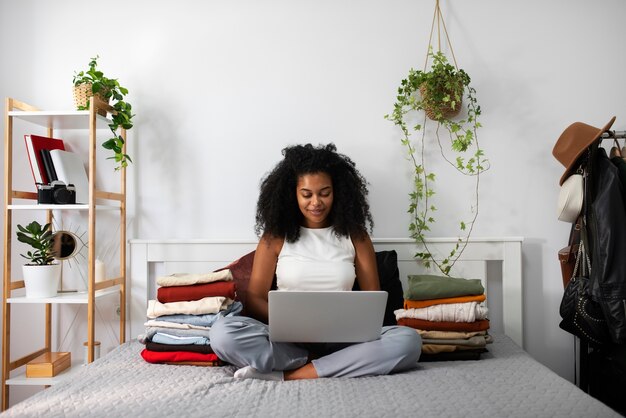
{"points": [[314, 216]]}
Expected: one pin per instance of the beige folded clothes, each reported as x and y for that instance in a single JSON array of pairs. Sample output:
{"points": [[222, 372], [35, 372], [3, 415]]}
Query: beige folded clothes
{"points": [[477, 341], [208, 305], [185, 279], [449, 334], [451, 312]]}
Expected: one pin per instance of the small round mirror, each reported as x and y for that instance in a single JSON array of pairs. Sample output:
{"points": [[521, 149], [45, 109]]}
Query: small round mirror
{"points": [[65, 244]]}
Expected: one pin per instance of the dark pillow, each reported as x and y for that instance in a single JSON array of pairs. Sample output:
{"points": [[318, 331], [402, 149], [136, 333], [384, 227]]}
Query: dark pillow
{"points": [[389, 276], [241, 269]]}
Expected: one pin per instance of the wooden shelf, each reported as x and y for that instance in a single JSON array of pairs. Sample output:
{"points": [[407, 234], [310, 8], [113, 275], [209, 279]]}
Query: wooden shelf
{"points": [[60, 207], [28, 117], [73, 297], [21, 379], [63, 119]]}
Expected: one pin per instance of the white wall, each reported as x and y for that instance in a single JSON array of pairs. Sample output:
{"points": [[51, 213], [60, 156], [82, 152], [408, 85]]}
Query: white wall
{"points": [[220, 87]]}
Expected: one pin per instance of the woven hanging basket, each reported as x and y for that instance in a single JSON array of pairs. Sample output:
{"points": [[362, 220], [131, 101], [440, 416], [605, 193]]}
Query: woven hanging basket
{"points": [[446, 109], [82, 93]]}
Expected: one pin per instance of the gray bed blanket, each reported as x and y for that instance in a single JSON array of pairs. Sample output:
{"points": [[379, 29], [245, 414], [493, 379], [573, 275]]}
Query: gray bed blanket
{"points": [[506, 382]]}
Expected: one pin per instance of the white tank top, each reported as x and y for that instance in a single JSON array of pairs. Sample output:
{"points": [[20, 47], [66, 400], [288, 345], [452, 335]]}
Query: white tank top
{"points": [[319, 260]]}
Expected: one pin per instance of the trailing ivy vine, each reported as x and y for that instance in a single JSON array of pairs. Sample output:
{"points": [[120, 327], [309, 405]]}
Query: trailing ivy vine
{"points": [[438, 93]]}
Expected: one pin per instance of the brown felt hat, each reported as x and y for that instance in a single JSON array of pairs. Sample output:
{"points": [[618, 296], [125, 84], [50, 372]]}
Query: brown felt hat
{"points": [[574, 140]]}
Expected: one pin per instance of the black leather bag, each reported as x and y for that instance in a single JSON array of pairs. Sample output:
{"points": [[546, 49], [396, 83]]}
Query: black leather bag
{"points": [[581, 315]]}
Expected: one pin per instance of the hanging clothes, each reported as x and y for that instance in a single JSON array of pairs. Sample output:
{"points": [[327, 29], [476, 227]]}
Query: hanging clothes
{"points": [[606, 216], [617, 158]]}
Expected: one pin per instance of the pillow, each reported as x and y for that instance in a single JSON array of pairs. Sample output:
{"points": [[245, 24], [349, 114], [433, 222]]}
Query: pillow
{"points": [[388, 274], [241, 269], [389, 277]]}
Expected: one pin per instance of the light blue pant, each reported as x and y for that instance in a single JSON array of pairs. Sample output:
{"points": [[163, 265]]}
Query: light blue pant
{"points": [[244, 341]]}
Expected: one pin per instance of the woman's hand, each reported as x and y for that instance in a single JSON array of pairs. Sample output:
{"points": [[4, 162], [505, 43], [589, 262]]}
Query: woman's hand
{"points": [[365, 263], [263, 270]]}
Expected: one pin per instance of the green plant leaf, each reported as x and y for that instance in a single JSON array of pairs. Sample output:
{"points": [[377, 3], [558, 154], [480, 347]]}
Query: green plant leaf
{"points": [[40, 239]]}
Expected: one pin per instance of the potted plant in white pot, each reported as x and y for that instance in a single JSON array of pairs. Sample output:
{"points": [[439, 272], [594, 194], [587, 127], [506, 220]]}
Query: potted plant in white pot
{"points": [[41, 274]]}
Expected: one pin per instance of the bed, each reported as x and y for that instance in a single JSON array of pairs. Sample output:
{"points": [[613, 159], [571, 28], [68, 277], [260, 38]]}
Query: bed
{"points": [[505, 382]]}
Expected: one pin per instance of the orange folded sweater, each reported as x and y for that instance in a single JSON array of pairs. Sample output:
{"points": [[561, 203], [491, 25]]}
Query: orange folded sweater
{"points": [[416, 304]]}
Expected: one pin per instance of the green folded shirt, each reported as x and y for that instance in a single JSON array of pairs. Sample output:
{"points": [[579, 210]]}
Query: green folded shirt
{"points": [[426, 286]]}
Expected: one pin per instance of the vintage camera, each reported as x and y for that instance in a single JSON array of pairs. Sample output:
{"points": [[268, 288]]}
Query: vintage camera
{"points": [[56, 193]]}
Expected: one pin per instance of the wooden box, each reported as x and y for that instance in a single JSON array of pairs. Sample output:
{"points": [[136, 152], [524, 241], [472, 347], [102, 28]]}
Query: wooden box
{"points": [[48, 364]]}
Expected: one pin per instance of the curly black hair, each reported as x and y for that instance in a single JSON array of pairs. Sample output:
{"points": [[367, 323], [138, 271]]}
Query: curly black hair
{"points": [[277, 212]]}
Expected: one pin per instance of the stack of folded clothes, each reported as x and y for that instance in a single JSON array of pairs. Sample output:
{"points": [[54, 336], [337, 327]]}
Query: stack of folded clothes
{"points": [[179, 320], [449, 314]]}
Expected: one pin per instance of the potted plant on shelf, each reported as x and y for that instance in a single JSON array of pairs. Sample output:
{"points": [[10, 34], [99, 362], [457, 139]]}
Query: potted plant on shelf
{"points": [[438, 91], [94, 83], [42, 274]]}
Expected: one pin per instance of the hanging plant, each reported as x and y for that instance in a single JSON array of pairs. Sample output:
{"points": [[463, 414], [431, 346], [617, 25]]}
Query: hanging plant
{"points": [[107, 89], [439, 91]]}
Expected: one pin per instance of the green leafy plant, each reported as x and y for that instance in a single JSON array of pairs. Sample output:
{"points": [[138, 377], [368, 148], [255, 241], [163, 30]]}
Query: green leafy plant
{"points": [[111, 90], [40, 238], [438, 92]]}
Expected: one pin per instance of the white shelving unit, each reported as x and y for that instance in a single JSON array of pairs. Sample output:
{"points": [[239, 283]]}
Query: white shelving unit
{"points": [[69, 297], [61, 119], [88, 121], [58, 207], [21, 379]]}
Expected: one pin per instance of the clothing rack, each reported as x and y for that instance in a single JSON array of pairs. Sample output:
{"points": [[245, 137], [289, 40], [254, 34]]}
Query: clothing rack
{"points": [[614, 134]]}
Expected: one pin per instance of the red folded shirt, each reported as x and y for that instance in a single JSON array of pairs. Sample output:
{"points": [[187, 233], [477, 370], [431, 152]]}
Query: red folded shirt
{"points": [[176, 356], [192, 292]]}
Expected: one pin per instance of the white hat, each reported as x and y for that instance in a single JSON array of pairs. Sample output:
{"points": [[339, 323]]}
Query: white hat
{"points": [[570, 198]]}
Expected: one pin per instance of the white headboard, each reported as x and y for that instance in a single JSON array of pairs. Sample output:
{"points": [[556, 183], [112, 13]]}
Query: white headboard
{"points": [[496, 261]]}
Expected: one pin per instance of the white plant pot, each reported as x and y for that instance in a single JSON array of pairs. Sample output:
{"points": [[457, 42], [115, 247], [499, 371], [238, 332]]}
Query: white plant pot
{"points": [[41, 281]]}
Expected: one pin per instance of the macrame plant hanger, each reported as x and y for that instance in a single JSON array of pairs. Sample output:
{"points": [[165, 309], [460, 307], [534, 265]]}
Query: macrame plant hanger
{"points": [[440, 23]]}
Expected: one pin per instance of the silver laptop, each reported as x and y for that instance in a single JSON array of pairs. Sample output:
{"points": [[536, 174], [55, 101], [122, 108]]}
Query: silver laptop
{"points": [[326, 316]]}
